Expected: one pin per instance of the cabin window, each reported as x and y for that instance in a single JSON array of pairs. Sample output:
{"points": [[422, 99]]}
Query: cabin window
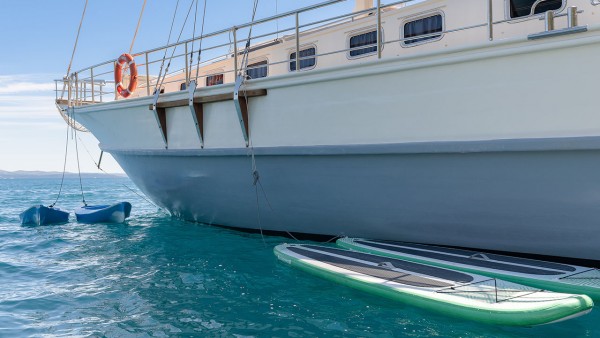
{"points": [[521, 8], [365, 39], [213, 80], [257, 70], [306, 62], [424, 26], [182, 86]]}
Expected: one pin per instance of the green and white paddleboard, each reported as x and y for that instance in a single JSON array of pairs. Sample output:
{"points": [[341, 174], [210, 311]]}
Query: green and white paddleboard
{"points": [[539, 274], [454, 293]]}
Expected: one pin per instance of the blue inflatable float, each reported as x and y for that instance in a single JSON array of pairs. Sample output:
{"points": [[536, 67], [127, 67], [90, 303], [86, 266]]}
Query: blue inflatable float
{"points": [[42, 215], [116, 213]]}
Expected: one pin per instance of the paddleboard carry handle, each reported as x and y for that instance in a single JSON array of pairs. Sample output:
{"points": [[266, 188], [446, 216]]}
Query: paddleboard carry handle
{"points": [[386, 265], [480, 256]]}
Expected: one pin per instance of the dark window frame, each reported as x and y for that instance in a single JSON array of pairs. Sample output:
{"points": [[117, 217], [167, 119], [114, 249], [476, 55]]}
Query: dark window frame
{"points": [[512, 13], [258, 66], [220, 79], [308, 65], [371, 48], [416, 41]]}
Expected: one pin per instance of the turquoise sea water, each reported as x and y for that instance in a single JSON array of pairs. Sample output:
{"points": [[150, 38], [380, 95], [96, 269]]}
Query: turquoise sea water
{"points": [[156, 276]]}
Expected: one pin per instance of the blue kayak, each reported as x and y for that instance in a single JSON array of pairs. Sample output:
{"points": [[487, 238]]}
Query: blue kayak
{"points": [[41, 215], [116, 213]]}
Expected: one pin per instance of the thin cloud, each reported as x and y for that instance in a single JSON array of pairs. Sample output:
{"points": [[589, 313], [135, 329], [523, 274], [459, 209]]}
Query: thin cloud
{"points": [[26, 83], [25, 87]]}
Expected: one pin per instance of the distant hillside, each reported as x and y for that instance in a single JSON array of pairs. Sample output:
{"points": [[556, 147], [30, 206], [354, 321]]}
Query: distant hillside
{"points": [[53, 174]]}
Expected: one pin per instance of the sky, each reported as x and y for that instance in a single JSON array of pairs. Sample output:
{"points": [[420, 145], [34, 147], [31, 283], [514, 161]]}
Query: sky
{"points": [[37, 41]]}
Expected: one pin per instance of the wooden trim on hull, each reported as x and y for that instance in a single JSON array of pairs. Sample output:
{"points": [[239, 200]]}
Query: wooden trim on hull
{"points": [[208, 99]]}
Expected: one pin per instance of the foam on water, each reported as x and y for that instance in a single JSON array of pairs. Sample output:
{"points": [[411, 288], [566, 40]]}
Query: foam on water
{"points": [[156, 276]]}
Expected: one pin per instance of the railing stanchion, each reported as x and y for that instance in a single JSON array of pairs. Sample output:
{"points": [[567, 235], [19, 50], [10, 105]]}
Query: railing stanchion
{"points": [[76, 89], [235, 52], [92, 79], [69, 91], [490, 23], [147, 76], [187, 71], [115, 86], [379, 29], [297, 41]]}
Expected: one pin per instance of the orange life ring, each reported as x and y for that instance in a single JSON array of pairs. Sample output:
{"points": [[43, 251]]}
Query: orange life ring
{"points": [[126, 59]]}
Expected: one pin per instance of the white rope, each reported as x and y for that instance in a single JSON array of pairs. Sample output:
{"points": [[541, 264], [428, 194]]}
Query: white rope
{"points": [[74, 48], [138, 27]]}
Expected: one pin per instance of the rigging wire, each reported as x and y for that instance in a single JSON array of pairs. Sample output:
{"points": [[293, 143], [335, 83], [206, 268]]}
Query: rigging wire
{"points": [[200, 46], [138, 27], [247, 49], [166, 49], [164, 76], [193, 39]]}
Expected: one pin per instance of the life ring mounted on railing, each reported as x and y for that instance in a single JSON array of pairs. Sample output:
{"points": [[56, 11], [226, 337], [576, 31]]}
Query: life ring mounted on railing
{"points": [[126, 59]]}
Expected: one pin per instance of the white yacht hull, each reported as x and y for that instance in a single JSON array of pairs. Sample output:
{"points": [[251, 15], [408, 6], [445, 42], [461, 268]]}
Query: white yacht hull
{"points": [[529, 201], [492, 147]]}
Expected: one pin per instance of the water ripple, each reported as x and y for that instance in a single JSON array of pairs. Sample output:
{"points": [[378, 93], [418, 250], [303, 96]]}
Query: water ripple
{"points": [[160, 277]]}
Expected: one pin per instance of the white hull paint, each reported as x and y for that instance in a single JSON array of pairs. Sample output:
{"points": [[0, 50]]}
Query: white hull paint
{"points": [[539, 200]]}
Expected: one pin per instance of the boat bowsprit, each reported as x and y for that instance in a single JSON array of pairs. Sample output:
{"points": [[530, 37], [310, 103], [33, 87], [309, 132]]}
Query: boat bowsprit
{"points": [[116, 213], [41, 215], [540, 274], [460, 294]]}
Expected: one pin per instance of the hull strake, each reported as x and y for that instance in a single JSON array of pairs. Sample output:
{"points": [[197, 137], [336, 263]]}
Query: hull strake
{"points": [[536, 201]]}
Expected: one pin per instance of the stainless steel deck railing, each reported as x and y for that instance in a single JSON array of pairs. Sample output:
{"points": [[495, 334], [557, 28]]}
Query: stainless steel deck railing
{"points": [[91, 85]]}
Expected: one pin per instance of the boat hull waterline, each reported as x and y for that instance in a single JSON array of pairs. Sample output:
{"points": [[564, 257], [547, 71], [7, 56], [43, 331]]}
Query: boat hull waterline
{"points": [[116, 213], [436, 289]]}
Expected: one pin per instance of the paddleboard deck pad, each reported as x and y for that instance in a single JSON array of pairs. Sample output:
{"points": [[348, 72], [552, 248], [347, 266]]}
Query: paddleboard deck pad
{"points": [[460, 294], [535, 273]]}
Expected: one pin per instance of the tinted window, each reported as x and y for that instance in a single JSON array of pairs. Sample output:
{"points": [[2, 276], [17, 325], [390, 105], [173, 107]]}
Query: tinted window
{"points": [[425, 26], [304, 62], [214, 80], [366, 39], [182, 86], [520, 8], [257, 70]]}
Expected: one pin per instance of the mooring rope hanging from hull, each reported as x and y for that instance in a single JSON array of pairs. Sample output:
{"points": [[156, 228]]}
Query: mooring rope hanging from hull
{"points": [[62, 180], [79, 168]]}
